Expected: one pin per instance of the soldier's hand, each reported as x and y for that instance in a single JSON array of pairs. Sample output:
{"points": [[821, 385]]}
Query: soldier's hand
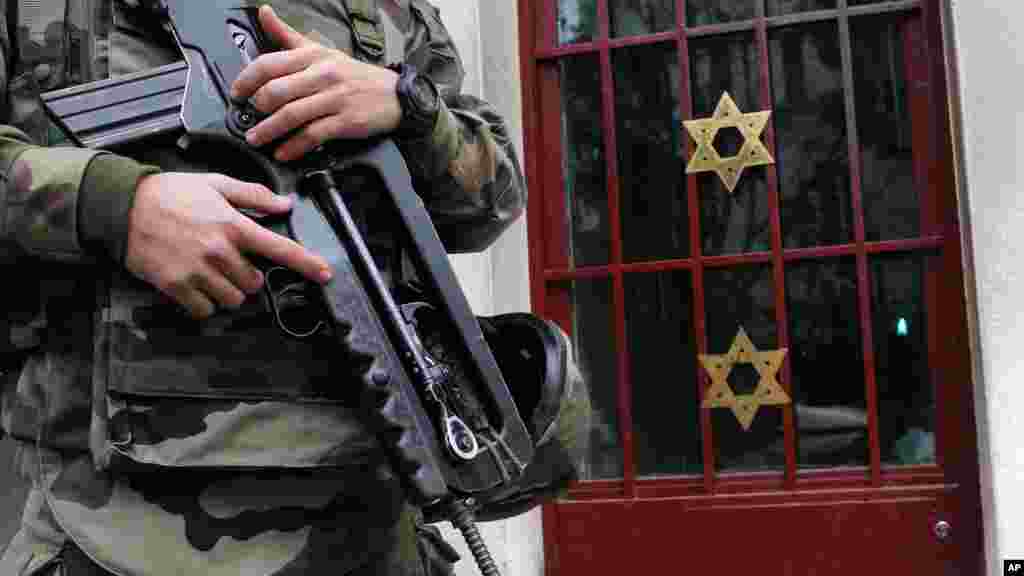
{"points": [[186, 238], [326, 91]]}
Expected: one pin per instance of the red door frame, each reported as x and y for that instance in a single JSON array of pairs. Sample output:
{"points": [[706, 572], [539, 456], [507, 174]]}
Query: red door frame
{"points": [[957, 468]]}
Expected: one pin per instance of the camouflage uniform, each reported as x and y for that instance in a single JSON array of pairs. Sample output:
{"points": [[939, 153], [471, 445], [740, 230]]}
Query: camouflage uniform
{"points": [[245, 483]]}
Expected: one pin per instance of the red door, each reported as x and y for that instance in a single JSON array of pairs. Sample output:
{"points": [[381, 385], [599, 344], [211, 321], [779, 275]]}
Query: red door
{"points": [[773, 321]]}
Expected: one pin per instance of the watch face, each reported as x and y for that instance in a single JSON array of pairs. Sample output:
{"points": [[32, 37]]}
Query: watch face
{"points": [[424, 96]]}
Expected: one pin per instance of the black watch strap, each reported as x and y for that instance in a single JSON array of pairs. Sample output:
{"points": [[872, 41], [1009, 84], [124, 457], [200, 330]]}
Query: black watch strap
{"points": [[420, 101]]}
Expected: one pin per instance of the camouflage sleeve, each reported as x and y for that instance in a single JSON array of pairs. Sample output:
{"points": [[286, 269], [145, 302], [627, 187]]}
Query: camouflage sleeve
{"points": [[61, 203], [467, 169], [57, 205]]}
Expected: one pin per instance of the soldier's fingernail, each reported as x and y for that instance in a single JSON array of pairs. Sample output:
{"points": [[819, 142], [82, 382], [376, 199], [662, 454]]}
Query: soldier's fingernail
{"points": [[325, 274], [252, 137]]}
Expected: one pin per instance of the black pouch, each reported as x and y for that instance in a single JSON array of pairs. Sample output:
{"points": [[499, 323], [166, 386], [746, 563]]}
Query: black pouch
{"points": [[230, 392], [537, 362]]}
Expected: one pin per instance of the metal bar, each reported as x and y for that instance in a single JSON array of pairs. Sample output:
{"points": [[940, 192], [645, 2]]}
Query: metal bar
{"points": [[736, 259], [778, 263], [820, 15], [658, 266], [904, 245], [536, 227], [863, 278], [567, 50], [697, 262], [886, 8], [613, 43], [625, 386], [810, 17], [586, 272], [720, 29], [548, 29], [667, 36], [877, 247], [618, 291], [932, 241]]}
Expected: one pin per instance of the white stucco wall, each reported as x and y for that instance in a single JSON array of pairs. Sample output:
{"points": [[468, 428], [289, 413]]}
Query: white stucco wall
{"points": [[986, 34], [461, 19], [497, 280]]}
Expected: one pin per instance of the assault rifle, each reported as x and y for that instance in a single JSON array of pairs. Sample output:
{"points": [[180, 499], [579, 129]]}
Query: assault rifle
{"points": [[451, 423]]}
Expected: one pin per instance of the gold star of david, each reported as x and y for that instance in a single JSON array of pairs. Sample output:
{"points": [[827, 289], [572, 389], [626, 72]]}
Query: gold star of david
{"points": [[753, 153], [768, 391]]}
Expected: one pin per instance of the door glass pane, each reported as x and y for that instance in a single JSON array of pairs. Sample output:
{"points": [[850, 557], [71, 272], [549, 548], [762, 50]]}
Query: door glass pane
{"points": [[827, 363], [659, 333], [902, 291], [743, 297], [737, 221], [891, 203], [577, 21], [584, 160], [810, 132], [780, 7], [704, 12], [593, 334], [636, 17], [653, 202]]}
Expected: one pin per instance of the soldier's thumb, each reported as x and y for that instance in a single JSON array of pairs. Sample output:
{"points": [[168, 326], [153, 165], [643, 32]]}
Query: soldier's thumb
{"points": [[279, 31], [250, 195]]}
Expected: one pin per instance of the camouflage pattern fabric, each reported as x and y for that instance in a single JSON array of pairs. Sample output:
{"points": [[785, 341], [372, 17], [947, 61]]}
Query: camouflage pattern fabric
{"points": [[186, 490]]}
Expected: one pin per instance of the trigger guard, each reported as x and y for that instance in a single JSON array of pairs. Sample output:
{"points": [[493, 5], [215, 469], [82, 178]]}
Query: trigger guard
{"points": [[292, 290]]}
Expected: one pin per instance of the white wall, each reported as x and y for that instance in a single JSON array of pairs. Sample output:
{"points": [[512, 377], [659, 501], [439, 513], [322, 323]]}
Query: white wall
{"points": [[497, 280], [990, 48], [461, 19]]}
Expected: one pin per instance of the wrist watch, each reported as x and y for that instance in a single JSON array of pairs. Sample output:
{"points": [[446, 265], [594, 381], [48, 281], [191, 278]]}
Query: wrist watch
{"points": [[420, 101]]}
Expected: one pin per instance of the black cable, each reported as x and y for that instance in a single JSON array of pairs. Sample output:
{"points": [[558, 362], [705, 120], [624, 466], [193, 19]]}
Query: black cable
{"points": [[462, 518]]}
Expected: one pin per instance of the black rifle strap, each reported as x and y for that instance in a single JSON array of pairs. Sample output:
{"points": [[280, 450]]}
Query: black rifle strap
{"points": [[6, 347], [12, 37]]}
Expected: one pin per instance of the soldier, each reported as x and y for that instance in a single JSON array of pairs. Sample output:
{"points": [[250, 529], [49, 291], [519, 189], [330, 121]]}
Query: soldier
{"points": [[114, 266]]}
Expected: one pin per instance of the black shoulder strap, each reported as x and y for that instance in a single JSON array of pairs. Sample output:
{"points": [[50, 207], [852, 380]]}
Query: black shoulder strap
{"points": [[366, 32], [12, 37]]}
